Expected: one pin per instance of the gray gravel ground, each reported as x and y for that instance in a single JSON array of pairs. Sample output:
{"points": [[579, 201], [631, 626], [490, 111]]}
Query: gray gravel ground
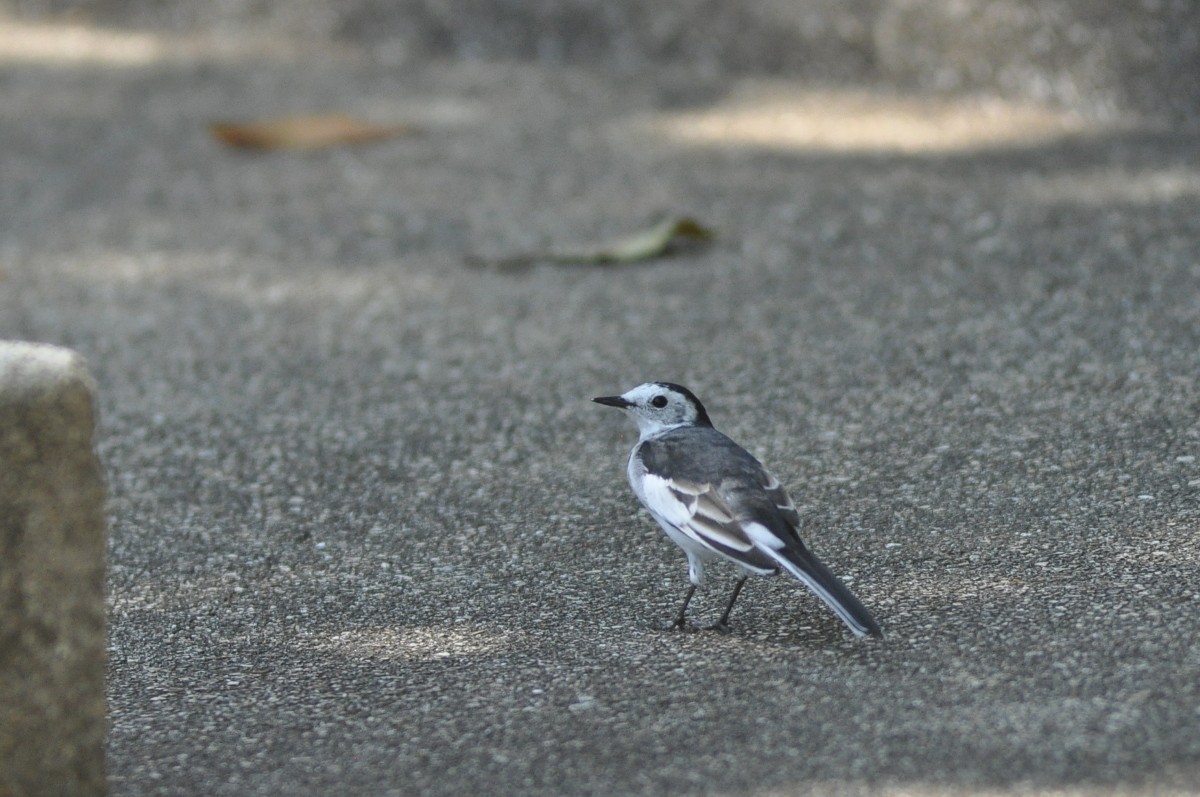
{"points": [[370, 537]]}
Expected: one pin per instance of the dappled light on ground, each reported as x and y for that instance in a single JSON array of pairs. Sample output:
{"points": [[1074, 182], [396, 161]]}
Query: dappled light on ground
{"points": [[858, 121], [1108, 184], [414, 643], [225, 275], [70, 43]]}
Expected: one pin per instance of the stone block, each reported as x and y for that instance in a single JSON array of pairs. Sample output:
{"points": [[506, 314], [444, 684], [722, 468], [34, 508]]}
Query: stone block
{"points": [[52, 554]]}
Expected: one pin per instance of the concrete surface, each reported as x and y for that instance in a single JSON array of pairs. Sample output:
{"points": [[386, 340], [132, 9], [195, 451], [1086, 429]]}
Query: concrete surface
{"points": [[1108, 56], [52, 608], [370, 536]]}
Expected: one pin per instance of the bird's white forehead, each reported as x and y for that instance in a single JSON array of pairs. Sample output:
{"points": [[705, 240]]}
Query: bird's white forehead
{"points": [[644, 392]]}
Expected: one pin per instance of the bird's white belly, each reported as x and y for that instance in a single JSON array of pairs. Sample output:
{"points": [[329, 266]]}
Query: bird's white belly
{"points": [[689, 546], [696, 553]]}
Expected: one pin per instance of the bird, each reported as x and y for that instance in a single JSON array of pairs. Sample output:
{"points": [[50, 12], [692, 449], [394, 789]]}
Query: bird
{"points": [[716, 501]]}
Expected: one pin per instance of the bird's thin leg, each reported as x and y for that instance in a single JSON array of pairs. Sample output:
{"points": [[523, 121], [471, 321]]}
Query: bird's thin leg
{"points": [[723, 623], [680, 620]]}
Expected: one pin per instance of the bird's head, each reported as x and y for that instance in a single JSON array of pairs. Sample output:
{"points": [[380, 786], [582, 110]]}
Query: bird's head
{"points": [[658, 406]]}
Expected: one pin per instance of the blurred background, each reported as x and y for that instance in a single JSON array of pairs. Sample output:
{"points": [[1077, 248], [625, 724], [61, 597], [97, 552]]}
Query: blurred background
{"points": [[1101, 57]]}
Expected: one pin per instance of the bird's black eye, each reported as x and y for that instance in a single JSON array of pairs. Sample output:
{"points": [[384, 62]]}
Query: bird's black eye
{"points": [[659, 401]]}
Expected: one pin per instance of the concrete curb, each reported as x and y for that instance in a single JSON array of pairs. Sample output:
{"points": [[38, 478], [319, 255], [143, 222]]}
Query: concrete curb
{"points": [[52, 551]]}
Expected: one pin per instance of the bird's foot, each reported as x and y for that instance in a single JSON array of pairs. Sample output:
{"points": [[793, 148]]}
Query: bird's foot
{"points": [[721, 627]]}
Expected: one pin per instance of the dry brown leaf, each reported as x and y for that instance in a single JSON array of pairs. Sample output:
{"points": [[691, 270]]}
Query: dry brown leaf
{"points": [[304, 132]]}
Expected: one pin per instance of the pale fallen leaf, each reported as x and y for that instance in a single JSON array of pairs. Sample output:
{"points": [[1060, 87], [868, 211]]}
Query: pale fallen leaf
{"points": [[304, 132], [656, 241]]}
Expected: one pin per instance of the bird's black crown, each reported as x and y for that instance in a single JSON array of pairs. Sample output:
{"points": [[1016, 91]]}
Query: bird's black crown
{"points": [[701, 413]]}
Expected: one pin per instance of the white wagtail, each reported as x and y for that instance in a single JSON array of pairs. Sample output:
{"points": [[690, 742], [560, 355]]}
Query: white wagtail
{"points": [[716, 501]]}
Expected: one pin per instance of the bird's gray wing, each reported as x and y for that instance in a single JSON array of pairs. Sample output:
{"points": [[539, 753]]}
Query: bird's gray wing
{"points": [[778, 496], [699, 459], [765, 516], [755, 513], [701, 511]]}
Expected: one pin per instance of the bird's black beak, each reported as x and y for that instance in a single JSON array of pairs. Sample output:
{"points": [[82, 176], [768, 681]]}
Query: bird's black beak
{"points": [[619, 402]]}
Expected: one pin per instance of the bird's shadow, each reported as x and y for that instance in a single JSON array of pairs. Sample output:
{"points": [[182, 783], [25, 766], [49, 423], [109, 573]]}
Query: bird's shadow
{"points": [[798, 632]]}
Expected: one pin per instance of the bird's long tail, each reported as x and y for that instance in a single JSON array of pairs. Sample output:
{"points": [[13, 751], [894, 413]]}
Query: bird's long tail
{"points": [[804, 565]]}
